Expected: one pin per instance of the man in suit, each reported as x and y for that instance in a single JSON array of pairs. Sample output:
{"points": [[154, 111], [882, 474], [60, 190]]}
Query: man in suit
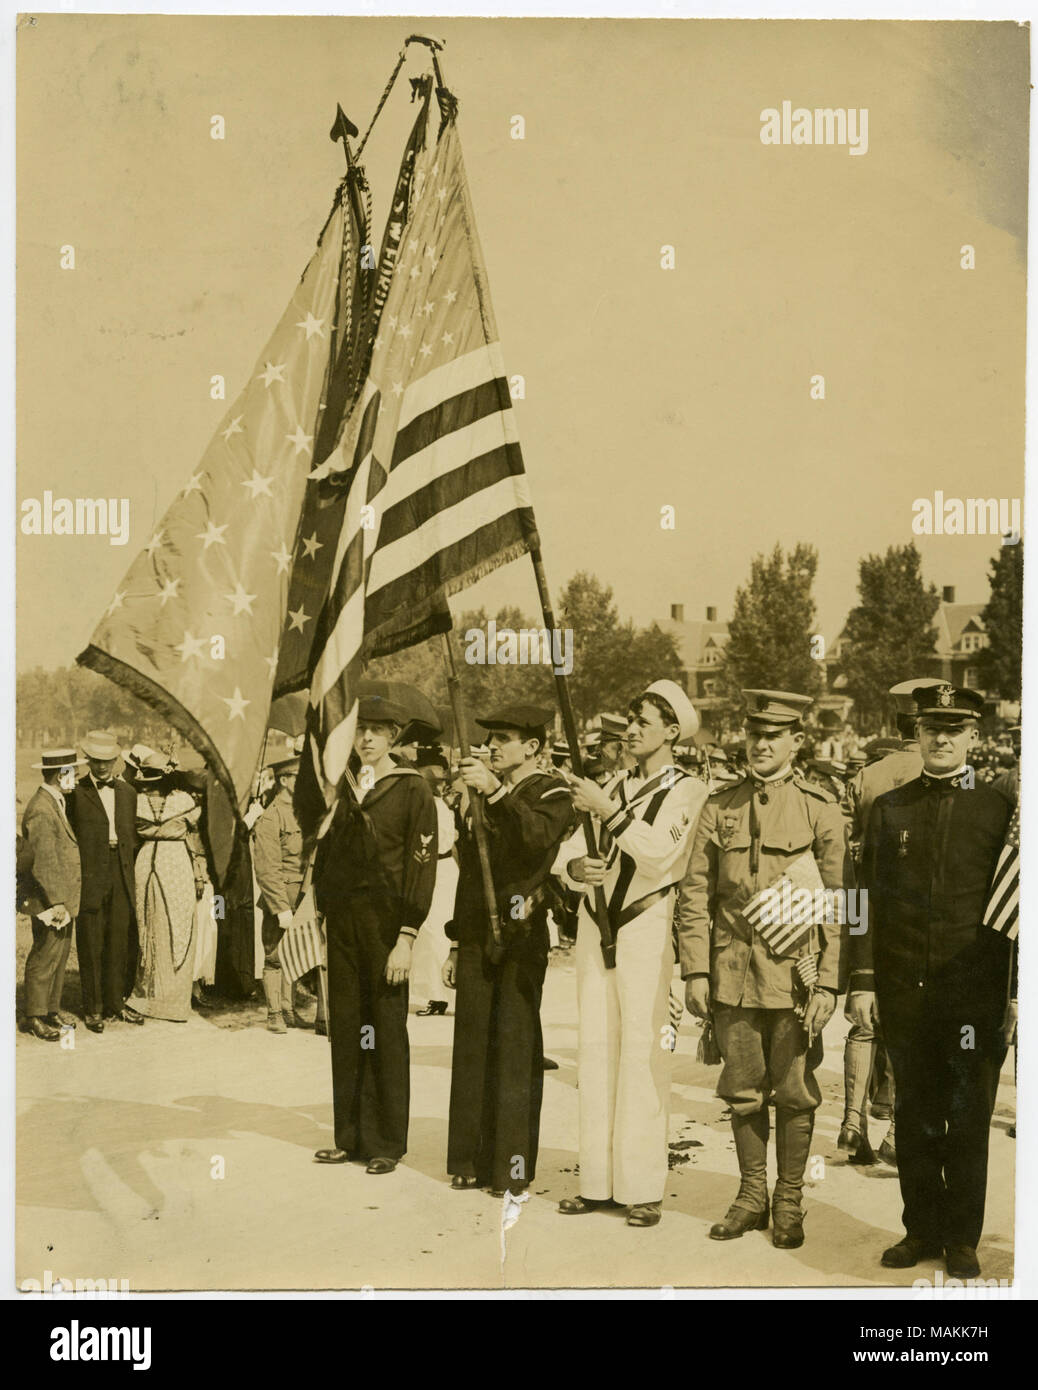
{"points": [[52, 900], [938, 978], [103, 812]]}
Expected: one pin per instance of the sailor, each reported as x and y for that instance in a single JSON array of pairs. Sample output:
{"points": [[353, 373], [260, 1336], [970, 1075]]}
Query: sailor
{"points": [[497, 1070], [940, 978], [769, 988], [374, 874], [277, 856], [647, 819]]}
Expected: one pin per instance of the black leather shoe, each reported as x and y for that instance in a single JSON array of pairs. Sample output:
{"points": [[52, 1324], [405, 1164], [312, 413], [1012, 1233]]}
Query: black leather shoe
{"points": [[580, 1206], [95, 1023], [787, 1228], [331, 1156], [909, 1252], [40, 1028], [737, 1221], [381, 1165], [961, 1262], [460, 1183], [548, 1065], [645, 1214], [888, 1151], [126, 1015], [434, 1006], [849, 1139], [60, 1020]]}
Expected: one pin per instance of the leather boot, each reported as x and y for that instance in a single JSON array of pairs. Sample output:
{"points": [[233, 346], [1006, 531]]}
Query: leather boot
{"points": [[793, 1130], [272, 993], [749, 1211], [288, 1002], [859, 1055]]}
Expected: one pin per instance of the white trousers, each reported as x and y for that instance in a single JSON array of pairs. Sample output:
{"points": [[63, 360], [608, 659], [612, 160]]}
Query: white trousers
{"points": [[624, 1058], [433, 946]]}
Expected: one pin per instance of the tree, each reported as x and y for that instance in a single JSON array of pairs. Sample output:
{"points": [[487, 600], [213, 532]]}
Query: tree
{"points": [[890, 635], [773, 621], [1003, 617]]}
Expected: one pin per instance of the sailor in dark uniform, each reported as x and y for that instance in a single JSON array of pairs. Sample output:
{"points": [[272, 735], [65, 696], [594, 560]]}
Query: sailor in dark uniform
{"points": [[497, 1067], [373, 879], [938, 978]]}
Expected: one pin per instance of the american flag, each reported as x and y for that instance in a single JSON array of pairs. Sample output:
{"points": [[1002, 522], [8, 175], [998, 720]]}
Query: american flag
{"points": [[778, 934], [435, 490], [302, 946], [195, 626], [1002, 913]]}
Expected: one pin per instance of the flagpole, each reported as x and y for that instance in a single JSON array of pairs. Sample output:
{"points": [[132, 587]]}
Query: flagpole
{"points": [[569, 724], [479, 829]]}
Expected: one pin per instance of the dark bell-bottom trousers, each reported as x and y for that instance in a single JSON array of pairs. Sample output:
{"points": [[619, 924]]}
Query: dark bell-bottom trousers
{"points": [[45, 968], [497, 1071], [944, 1096], [103, 947], [367, 1030]]}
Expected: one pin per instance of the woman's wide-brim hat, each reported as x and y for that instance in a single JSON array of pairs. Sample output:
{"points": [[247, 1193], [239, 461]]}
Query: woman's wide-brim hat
{"points": [[148, 765], [53, 758]]}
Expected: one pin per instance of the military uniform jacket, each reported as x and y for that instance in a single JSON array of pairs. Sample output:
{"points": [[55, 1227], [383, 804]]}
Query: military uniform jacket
{"points": [[646, 843], [930, 854], [385, 847], [525, 824], [54, 874], [727, 869], [277, 856]]}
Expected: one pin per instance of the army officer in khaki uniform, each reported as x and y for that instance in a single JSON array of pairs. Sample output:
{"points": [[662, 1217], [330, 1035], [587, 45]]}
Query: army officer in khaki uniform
{"points": [[768, 1020], [278, 862]]}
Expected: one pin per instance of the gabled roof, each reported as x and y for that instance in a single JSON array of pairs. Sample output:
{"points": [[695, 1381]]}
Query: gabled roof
{"points": [[694, 639], [951, 620]]}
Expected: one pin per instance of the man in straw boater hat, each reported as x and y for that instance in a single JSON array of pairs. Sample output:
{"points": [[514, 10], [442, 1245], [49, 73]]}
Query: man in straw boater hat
{"points": [[374, 874], [103, 812], [51, 895], [767, 978], [939, 976], [277, 858], [497, 1068], [647, 819]]}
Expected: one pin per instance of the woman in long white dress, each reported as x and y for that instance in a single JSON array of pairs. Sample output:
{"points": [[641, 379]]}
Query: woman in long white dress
{"points": [[170, 878], [432, 947]]}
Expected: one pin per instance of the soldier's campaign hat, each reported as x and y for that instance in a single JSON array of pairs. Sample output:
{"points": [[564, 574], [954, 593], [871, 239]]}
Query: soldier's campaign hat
{"points": [[904, 692], [877, 748], [612, 726], [528, 719], [285, 765], [100, 744], [770, 711], [948, 702], [684, 709], [376, 709], [53, 758]]}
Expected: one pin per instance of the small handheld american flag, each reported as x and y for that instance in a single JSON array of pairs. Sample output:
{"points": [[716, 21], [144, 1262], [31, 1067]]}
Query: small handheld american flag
{"points": [[1002, 913], [302, 946]]}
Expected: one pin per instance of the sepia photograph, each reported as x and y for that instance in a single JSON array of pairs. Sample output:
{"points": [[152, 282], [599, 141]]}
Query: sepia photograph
{"points": [[518, 653]]}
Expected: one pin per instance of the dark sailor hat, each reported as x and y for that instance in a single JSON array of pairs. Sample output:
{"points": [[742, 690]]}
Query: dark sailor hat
{"points": [[376, 709], [528, 719], [943, 701], [774, 710]]}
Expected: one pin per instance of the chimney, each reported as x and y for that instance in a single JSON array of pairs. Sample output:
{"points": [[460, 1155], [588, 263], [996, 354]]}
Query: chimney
{"points": [[711, 615], [948, 593], [677, 612]]}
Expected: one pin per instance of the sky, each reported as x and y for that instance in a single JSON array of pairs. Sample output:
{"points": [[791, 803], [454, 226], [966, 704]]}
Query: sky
{"points": [[645, 387]]}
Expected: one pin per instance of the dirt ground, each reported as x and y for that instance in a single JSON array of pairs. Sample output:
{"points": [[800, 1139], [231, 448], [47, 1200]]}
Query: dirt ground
{"points": [[179, 1156]]}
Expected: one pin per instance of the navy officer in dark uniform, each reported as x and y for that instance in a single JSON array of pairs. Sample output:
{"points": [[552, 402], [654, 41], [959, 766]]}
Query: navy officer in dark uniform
{"points": [[374, 874], [937, 978], [497, 1068]]}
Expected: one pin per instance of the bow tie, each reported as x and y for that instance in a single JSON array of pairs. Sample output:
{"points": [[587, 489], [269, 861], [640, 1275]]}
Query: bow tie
{"points": [[110, 783]]}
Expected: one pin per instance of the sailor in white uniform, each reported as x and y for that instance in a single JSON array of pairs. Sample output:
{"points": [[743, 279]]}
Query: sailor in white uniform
{"points": [[647, 817]]}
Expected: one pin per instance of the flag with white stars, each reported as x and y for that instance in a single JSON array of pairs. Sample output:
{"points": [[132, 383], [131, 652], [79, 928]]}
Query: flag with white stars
{"points": [[435, 493], [195, 626]]}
